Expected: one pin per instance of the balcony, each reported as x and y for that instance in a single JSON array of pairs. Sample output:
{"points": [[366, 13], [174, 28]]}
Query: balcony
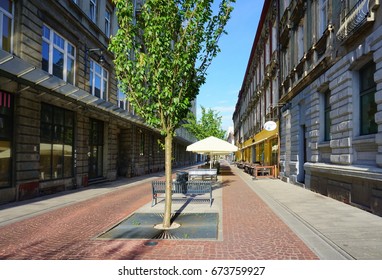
{"points": [[358, 16]]}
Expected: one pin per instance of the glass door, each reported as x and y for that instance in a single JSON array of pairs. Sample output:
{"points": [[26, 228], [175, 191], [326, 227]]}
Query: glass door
{"points": [[95, 152]]}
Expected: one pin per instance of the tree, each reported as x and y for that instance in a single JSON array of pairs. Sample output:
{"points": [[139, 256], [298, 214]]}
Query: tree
{"points": [[162, 52], [208, 125]]}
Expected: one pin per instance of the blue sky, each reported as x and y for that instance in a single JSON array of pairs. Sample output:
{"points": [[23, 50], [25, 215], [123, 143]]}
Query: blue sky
{"points": [[226, 73]]}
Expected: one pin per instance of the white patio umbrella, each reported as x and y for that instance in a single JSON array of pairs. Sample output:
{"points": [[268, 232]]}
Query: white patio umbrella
{"points": [[212, 146]]}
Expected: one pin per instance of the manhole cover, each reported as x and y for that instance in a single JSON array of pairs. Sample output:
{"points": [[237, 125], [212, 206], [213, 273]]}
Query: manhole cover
{"points": [[142, 226]]}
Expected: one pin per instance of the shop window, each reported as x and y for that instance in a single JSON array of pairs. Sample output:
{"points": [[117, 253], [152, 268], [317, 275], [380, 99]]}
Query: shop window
{"points": [[6, 102], [56, 143]]}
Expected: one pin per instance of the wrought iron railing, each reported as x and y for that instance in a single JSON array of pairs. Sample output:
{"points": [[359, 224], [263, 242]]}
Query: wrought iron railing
{"points": [[355, 18]]}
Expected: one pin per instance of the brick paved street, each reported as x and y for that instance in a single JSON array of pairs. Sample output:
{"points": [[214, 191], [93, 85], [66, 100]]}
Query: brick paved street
{"points": [[250, 230]]}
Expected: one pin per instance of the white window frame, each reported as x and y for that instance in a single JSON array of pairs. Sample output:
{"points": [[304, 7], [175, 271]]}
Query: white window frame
{"points": [[93, 10], [104, 77], [5, 13], [67, 55], [121, 97]]}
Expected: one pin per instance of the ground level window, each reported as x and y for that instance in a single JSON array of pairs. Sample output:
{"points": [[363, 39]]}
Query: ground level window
{"points": [[57, 140], [368, 107], [6, 105], [327, 121]]}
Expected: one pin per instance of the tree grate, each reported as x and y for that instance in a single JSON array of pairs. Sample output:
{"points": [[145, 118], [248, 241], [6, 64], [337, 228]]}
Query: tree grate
{"points": [[141, 226]]}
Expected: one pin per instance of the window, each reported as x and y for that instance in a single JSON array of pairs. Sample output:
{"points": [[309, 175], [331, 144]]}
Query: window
{"points": [[368, 107], [95, 152], [300, 41], [57, 141], [327, 121], [6, 25], [142, 144], [107, 23], [274, 36], [121, 99], [98, 80], [322, 20], [6, 126], [93, 10], [58, 55]]}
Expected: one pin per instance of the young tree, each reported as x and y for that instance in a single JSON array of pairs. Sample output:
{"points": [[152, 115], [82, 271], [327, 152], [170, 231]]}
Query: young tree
{"points": [[162, 52], [208, 125]]}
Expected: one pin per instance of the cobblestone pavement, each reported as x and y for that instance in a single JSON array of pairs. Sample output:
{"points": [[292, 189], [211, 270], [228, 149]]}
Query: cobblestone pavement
{"points": [[250, 230]]}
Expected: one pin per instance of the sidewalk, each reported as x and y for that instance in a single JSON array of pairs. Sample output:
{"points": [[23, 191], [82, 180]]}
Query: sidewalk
{"points": [[258, 219], [332, 229]]}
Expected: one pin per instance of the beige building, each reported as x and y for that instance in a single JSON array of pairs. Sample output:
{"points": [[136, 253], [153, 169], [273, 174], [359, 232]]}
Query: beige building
{"points": [[258, 100], [63, 122]]}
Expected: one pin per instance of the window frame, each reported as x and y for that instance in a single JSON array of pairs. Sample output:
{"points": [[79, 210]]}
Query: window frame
{"points": [[367, 92], [107, 27], [66, 129], [93, 10], [10, 15], [322, 17], [92, 79], [327, 109], [52, 45]]}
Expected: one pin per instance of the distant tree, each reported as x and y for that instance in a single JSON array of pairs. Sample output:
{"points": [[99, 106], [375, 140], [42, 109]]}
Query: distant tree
{"points": [[208, 125], [162, 53]]}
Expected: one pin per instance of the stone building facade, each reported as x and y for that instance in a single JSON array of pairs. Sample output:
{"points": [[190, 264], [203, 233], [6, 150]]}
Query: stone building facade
{"points": [[330, 98], [331, 125], [63, 122]]}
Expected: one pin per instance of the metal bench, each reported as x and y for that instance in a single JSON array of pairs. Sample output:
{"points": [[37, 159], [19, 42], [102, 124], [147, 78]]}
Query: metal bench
{"points": [[186, 188]]}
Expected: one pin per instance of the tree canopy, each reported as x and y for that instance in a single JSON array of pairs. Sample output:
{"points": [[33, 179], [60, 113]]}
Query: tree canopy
{"points": [[162, 52], [208, 125]]}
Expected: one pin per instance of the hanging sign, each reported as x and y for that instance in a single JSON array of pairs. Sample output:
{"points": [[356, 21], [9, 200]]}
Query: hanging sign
{"points": [[270, 126]]}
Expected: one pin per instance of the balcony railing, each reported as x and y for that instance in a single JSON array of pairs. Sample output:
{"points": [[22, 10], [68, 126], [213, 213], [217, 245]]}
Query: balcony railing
{"points": [[355, 18]]}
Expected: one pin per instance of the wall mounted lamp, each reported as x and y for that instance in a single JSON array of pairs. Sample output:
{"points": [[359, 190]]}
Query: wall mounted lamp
{"points": [[101, 58]]}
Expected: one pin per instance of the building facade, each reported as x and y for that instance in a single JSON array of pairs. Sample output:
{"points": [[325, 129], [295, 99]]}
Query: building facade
{"points": [[63, 122], [258, 100], [330, 98]]}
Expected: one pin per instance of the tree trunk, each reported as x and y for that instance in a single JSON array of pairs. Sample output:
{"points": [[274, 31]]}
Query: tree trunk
{"points": [[168, 171]]}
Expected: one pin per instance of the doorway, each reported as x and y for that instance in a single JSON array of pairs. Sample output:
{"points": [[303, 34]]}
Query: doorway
{"points": [[95, 152]]}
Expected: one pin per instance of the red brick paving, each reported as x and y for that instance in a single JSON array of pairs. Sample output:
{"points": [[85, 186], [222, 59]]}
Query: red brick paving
{"points": [[250, 231]]}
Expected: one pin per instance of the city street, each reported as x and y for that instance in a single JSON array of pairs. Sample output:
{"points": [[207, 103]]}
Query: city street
{"points": [[250, 230]]}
